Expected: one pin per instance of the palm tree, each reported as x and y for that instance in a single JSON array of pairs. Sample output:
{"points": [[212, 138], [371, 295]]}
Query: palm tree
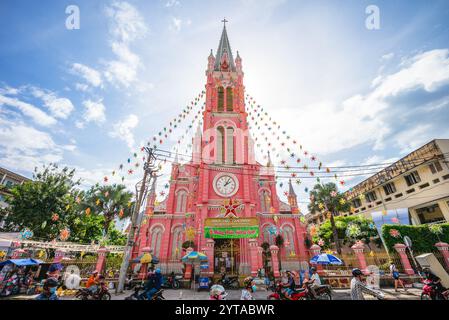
{"points": [[266, 254], [112, 202], [327, 198]]}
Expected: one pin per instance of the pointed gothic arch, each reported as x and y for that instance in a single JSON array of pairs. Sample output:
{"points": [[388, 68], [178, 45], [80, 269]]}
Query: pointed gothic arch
{"points": [[177, 239], [156, 239], [229, 99], [220, 145], [181, 201], [220, 105], [230, 145], [265, 200], [288, 232]]}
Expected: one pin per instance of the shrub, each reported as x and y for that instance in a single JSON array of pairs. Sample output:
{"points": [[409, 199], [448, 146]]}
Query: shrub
{"points": [[423, 239]]}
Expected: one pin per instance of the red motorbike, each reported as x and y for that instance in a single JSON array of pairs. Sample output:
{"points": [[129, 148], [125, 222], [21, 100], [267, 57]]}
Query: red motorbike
{"points": [[101, 294], [321, 292], [429, 292], [278, 293]]}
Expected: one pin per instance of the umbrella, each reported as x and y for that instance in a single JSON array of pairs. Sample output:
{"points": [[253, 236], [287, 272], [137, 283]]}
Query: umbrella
{"points": [[193, 258], [21, 262], [146, 258], [325, 258]]}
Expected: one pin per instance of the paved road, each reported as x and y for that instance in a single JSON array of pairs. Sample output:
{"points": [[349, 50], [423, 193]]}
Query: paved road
{"points": [[183, 294], [338, 294]]}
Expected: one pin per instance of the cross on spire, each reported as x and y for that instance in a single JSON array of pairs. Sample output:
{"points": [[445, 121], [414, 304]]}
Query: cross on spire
{"points": [[224, 22]]}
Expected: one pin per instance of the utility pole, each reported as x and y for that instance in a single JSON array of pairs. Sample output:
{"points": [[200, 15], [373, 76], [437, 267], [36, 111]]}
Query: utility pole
{"points": [[149, 170]]}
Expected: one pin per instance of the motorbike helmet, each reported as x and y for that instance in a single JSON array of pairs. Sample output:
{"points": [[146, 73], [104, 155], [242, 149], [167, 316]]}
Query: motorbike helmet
{"points": [[50, 283], [357, 272], [158, 271], [248, 282]]}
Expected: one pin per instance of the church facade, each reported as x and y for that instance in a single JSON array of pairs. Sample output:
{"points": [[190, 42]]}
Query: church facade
{"points": [[223, 201]]}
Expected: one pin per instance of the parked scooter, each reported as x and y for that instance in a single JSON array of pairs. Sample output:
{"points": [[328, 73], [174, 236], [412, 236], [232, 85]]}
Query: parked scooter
{"points": [[229, 282], [172, 282]]}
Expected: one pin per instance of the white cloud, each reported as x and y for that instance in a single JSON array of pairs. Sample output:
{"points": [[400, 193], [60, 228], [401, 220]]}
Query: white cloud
{"points": [[172, 3], [92, 76], [38, 116], [59, 107], [126, 26], [367, 118], [123, 130], [94, 111], [176, 24], [387, 56], [23, 147]]}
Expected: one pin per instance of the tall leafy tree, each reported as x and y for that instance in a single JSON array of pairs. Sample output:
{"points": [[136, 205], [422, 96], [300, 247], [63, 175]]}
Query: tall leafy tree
{"points": [[327, 199], [109, 201], [44, 205]]}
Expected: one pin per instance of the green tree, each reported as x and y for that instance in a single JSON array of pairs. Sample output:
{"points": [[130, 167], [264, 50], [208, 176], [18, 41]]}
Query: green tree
{"points": [[45, 205], [350, 229], [111, 202], [326, 198]]}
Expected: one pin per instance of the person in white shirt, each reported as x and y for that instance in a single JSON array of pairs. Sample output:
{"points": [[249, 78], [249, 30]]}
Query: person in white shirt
{"points": [[315, 279], [250, 288]]}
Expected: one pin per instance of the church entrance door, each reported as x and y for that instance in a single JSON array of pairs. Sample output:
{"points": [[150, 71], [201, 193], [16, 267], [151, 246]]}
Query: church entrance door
{"points": [[227, 256]]}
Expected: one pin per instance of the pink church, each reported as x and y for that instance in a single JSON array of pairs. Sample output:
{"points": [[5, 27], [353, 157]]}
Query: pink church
{"points": [[223, 168]]}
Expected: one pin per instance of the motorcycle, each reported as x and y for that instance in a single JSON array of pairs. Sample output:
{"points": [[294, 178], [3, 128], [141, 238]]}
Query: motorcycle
{"points": [[101, 294], [229, 282], [172, 282], [322, 292], [136, 295], [429, 292]]}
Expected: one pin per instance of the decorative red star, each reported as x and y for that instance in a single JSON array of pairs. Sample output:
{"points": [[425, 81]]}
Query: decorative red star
{"points": [[230, 209]]}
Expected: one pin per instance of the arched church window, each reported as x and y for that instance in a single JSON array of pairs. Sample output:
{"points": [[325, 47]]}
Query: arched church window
{"points": [[230, 145], [220, 106], [289, 240], [181, 201], [220, 146], [267, 235], [176, 250], [265, 201], [156, 239], [229, 99]]}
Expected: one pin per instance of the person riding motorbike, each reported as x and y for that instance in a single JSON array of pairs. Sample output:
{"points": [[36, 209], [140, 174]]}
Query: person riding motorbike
{"points": [[93, 282], [49, 290], [153, 284], [358, 287], [436, 283], [249, 288], [288, 283], [315, 281]]}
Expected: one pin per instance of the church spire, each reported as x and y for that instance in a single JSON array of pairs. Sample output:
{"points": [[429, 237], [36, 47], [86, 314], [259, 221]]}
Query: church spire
{"points": [[269, 163], [224, 50]]}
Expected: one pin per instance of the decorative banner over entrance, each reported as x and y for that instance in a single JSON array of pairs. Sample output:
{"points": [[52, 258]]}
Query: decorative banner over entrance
{"points": [[231, 228]]}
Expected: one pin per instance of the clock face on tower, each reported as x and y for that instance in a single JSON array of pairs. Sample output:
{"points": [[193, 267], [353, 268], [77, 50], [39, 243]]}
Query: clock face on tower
{"points": [[226, 184]]}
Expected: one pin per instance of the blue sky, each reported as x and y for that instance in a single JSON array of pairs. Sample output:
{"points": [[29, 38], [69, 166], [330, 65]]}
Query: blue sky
{"points": [[88, 98]]}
